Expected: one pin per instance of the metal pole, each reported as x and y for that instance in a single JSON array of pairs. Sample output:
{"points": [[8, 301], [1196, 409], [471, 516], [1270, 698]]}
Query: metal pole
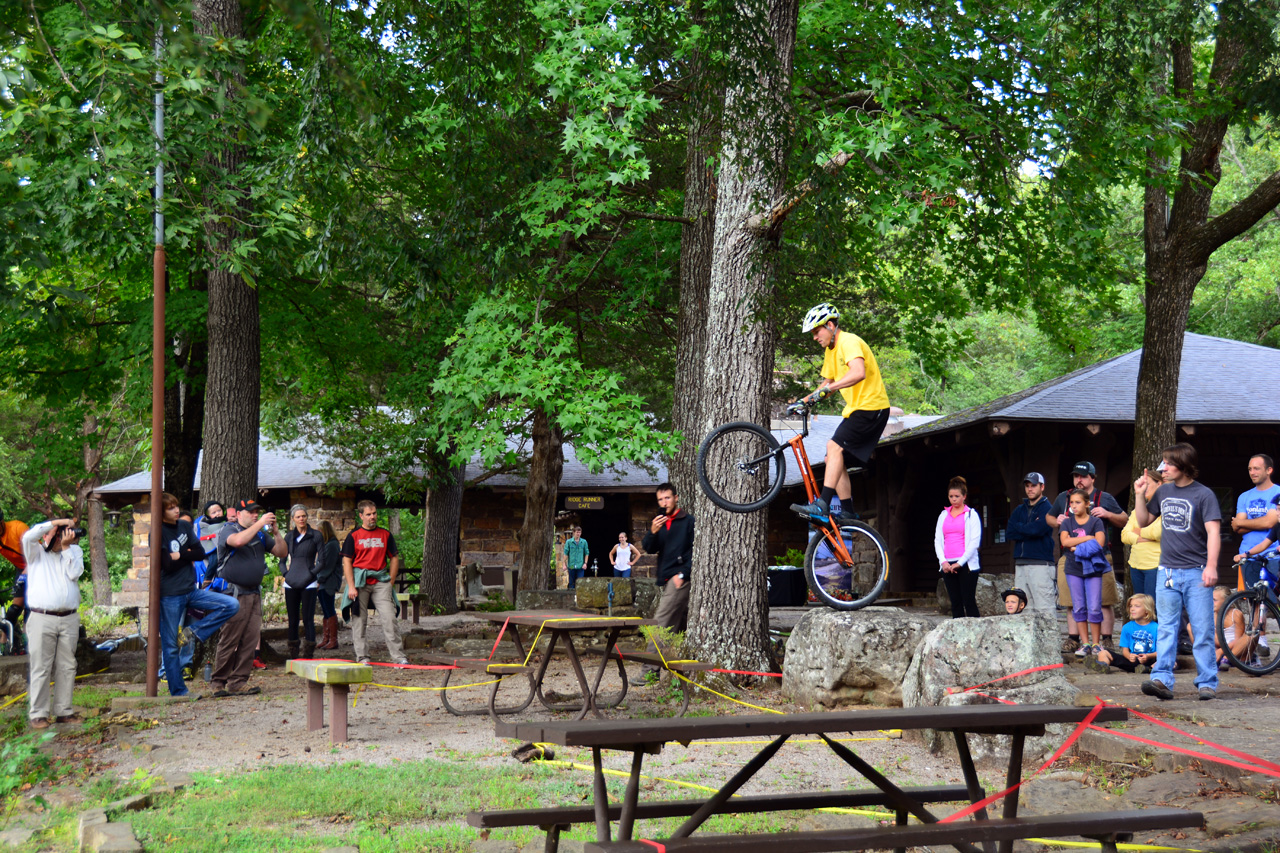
{"points": [[157, 391]]}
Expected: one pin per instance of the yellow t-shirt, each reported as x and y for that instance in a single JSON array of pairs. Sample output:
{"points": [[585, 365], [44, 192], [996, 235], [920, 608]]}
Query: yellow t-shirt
{"points": [[869, 394]]}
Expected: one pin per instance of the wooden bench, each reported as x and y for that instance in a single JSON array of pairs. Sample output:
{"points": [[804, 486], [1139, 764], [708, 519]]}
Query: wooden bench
{"points": [[488, 667], [339, 677], [554, 820], [1108, 828], [664, 662]]}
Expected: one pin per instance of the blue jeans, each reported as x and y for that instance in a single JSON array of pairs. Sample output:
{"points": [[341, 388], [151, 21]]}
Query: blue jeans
{"points": [[1187, 590], [1145, 582], [219, 608], [575, 575]]}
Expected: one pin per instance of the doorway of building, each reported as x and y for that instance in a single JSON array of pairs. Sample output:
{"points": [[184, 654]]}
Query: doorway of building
{"points": [[600, 527]]}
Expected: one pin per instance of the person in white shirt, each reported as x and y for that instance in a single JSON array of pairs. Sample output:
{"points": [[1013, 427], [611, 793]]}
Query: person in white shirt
{"points": [[623, 557], [54, 566]]}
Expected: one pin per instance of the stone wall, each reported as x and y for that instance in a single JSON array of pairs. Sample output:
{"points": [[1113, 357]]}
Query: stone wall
{"points": [[339, 509]]}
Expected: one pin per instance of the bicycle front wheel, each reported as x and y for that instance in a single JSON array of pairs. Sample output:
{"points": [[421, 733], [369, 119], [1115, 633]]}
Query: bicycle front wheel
{"points": [[847, 585], [1259, 615], [741, 467]]}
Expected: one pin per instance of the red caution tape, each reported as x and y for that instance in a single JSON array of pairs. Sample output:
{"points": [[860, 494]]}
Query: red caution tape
{"points": [[1007, 677], [1255, 768], [494, 650], [655, 845]]}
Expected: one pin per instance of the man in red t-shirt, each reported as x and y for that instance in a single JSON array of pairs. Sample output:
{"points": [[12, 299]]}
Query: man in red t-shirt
{"points": [[370, 563]]}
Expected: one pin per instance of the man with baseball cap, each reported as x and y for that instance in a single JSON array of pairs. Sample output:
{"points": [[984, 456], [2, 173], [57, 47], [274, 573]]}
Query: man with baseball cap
{"points": [[1032, 539], [243, 545], [1102, 505]]}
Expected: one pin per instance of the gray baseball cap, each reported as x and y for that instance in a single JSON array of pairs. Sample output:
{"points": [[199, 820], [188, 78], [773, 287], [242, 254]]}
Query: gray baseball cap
{"points": [[1033, 477]]}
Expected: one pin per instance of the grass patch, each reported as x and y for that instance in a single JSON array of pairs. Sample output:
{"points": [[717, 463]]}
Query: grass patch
{"points": [[418, 805]]}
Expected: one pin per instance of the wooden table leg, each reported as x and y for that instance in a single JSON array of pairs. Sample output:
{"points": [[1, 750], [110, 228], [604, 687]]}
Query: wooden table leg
{"points": [[976, 793], [338, 714], [315, 706], [1012, 779], [898, 798], [602, 797], [628, 817], [719, 798], [588, 700]]}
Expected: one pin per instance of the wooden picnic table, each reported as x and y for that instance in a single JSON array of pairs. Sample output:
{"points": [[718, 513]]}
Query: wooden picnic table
{"points": [[648, 736], [562, 626]]}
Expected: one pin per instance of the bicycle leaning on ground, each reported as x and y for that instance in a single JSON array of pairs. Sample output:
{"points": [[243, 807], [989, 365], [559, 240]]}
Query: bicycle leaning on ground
{"points": [[1258, 608], [742, 467]]}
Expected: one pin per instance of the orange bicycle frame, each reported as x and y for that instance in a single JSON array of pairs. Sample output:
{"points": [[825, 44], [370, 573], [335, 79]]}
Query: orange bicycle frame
{"points": [[829, 531]]}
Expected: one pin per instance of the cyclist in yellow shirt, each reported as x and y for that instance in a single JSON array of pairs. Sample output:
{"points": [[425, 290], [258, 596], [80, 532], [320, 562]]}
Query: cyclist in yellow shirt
{"points": [[850, 368]]}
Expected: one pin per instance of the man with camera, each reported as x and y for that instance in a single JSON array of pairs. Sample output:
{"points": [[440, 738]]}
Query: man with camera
{"points": [[54, 566], [243, 545]]}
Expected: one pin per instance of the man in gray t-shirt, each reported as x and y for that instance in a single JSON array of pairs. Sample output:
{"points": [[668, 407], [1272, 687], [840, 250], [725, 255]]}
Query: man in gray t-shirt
{"points": [[1188, 570], [243, 546]]}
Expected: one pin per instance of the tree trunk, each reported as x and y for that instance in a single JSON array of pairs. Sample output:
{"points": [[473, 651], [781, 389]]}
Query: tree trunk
{"points": [[442, 519], [230, 468], [728, 618], [1180, 236], [184, 420], [99, 571], [538, 531], [696, 241]]}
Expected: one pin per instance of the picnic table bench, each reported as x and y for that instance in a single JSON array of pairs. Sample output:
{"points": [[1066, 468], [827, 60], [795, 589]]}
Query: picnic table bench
{"points": [[339, 677], [649, 736], [664, 662], [495, 668]]}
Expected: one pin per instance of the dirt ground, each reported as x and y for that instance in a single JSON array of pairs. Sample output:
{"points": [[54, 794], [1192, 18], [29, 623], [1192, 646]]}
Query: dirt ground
{"points": [[401, 718]]}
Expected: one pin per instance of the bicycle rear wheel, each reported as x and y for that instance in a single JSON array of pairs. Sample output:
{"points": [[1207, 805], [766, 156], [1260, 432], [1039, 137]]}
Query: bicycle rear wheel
{"points": [[740, 466], [847, 586], [1260, 615]]}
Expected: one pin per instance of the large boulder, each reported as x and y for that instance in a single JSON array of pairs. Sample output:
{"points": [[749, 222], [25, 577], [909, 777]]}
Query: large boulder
{"points": [[545, 599], [988, 594], [852, 658], [964, 653], [593, 593]]}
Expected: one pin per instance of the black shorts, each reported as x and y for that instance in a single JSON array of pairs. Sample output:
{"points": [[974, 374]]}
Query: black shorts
{"points": [[859, 433]]}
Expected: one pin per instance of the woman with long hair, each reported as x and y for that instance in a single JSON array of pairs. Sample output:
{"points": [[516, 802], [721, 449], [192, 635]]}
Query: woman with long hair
{"points": [[329, 578], [956, 538]]}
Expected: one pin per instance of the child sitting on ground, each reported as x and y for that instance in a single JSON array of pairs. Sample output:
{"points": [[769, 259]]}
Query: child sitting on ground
{"points": [[1015, 600], [1137, 640], [1232, 630]]}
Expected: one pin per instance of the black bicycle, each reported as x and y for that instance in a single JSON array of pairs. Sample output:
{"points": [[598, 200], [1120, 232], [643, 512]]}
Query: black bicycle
{"points": [[741, 467], [1259, 613]]}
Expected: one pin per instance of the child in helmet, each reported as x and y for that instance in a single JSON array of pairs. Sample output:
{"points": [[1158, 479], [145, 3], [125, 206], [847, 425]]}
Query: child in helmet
{"points": [[1015, 600]]}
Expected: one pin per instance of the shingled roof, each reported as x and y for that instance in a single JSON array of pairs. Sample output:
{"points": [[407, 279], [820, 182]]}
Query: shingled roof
{"points": [[1221, 381]]}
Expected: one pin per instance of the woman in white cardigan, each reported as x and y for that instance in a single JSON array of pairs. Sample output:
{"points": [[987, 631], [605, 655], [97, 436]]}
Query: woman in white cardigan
{"points": [[955, 540]]}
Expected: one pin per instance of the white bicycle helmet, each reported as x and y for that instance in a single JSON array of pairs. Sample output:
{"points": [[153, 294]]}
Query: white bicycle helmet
{"points": [[818, 316]]}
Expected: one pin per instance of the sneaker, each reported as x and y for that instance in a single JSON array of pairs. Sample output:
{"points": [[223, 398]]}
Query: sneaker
{"points": [[71, 718], [818, 511], [1184, 648], [364, 661], [1223, 665], [1158, 689], [40, 723], [1207, 693], [257, 664], [1142, 669], [1108, 644], [1070, 644], [842, 518], [1083, 651], [1092, 664], [401, 661]]}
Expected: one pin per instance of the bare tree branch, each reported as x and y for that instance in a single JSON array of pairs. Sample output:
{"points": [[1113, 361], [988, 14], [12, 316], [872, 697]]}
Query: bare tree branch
{"points": [[1242, 216]]}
